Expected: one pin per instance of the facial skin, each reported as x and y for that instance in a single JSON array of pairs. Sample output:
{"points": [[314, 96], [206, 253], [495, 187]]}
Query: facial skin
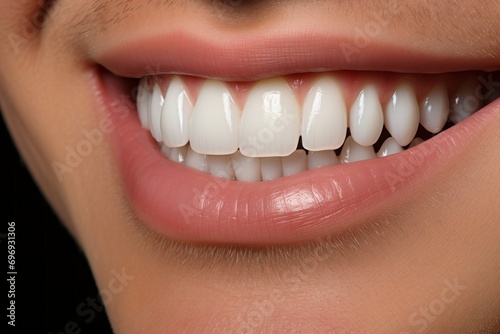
{"points": [[433, 249]]}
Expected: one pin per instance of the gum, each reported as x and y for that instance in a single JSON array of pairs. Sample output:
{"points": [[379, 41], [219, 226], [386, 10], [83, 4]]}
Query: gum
{"points": [[351, 82]]}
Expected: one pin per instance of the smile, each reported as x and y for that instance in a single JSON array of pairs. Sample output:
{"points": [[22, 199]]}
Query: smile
{"points": [[334, 149], [283, 126]]}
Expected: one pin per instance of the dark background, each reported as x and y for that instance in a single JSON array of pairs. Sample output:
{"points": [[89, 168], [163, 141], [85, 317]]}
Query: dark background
{"points": [[53, 276]]}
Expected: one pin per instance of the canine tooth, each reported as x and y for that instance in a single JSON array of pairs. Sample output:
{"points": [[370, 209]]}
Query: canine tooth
{"points": [[246, 169], [434, 109], [294, 163], [176, 114], [270, 125], [155, 115], [321, 158], [221, 166], [416, 142], [465, 102], [179, 154], [196, 160], [352, 151], [390, 146], [214, 121], [324, 122], [270, 168], [401, 115], [366, 118], [143, 100]]}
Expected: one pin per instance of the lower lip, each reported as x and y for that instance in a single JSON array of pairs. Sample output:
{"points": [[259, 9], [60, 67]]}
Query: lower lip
{"points": [[180, 203]]}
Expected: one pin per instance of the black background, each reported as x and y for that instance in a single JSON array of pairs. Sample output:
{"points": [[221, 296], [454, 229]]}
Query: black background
{"points": [[53, 276]]}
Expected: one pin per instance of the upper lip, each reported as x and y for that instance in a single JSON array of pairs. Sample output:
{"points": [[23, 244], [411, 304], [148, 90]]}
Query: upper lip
{"points": [[253, 56], [296, 209]]}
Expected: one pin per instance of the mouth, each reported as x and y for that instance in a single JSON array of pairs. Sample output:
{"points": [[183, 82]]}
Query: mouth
{"points": [[282, 126], [245, 157]]}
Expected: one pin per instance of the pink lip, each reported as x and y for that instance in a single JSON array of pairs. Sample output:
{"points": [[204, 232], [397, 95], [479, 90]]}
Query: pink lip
{"points": [[183, 204], [266, 54]]}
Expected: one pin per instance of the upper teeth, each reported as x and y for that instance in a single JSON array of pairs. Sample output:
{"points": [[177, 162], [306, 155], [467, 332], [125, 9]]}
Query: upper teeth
{"points": [[366, 119], [215, 121], [324, 105], [176, 115], [272, 120], [270, 124]]}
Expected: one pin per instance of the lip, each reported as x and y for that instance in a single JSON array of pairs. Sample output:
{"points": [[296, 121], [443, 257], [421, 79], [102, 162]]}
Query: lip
{"points": [[268, 53], [183, 204]]}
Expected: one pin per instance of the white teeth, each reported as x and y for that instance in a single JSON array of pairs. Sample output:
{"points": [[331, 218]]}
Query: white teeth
{"points": [[245, 168], [294, 163], [390, 146], [352, 151], [215, 120], [221, 166], [165, 150], [197, 161], [155, 112], [271, 168], [178, 154], [434, 109], [143, 100], [176, 115], [207, 136], [270, 125], [416, 142], [321, 158], [402, 115], [366, 118], [465, 102], [324, 116]]}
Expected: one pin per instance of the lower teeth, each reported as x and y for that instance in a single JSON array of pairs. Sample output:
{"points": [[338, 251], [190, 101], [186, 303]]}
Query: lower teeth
{"points": [[247, 169]]}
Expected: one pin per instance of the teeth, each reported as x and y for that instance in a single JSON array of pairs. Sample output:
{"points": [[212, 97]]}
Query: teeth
{"points": [[245, 168], [215, 120], [434, 109], [143, 100], [465, 102], [155, 112], [390, 146], [416, 142], [178, 154], [402, 115], [270, 168], [294, 163], [324, 122], [270, 125], [197, 161], [493, 89], [176, 115], [221, 166], [207, 137], [352, 151], [366, 119], [165, 150], [321, 158]]}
